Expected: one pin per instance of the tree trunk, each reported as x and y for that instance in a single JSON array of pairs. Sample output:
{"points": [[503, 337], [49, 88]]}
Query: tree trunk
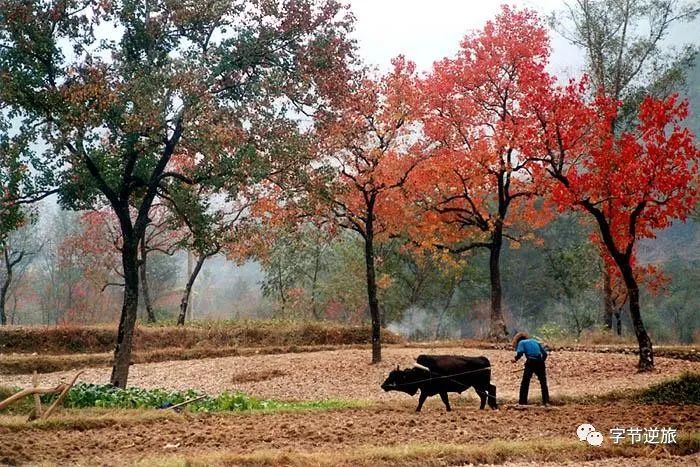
{"points": [[127, 322], [646, 353], [372, 292], [443, 312], [188, 290], [281, 289], [608, 307], [13, 313], [618, 320], [150, 316], [3, 296], [314, 281], [9, 265], [623, 262], [498, 331]]}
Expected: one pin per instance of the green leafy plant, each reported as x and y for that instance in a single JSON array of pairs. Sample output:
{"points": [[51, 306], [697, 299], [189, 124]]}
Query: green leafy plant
{"points": [[84, 395]]}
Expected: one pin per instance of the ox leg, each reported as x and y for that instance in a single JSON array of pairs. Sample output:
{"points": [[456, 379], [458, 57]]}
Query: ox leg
{"points": [[482, 395], [443, 396], [493, 402], [421, 400]]}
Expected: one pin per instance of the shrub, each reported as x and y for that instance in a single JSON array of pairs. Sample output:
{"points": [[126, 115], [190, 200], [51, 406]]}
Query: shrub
{"points": [[550, 332], [682, 390]]}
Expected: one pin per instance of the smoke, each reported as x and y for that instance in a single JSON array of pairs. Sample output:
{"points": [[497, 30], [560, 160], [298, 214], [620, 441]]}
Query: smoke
{"points": [[420, 323], [225, 290]]}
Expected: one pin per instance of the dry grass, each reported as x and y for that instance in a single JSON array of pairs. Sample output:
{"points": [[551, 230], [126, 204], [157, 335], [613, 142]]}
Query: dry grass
{"points": [[214, 334], [61, 348], [418, 454], [604, 337], [95, 418]]}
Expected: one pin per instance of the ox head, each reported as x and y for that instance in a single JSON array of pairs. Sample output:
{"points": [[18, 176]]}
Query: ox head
{"points": [[403, 380]]}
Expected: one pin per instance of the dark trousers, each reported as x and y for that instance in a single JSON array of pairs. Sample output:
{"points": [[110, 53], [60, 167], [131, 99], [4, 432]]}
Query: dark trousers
{"points": [[536, 367]]}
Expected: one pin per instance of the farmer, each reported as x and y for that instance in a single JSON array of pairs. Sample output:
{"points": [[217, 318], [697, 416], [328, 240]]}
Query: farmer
{"points": [[535, 355]]}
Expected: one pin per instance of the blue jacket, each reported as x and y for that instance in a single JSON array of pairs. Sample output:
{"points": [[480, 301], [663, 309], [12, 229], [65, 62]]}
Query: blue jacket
{"points": [[532, 350]]}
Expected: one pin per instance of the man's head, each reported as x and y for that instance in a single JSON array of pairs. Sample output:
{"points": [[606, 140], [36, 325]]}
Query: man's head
{"points": [[518, 337]]}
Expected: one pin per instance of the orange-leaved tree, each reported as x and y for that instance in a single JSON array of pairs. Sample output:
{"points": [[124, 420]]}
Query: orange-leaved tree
{"points": [[632, 184], [367, 148], [478, 186]]}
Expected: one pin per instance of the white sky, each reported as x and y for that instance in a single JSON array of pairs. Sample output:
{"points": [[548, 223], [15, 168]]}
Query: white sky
{"points": [[428, 30]]}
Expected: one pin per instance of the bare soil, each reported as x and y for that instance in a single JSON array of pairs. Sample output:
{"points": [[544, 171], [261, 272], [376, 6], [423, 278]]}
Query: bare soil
{"points": [[347, 374], [338, 430], [388, 420]]}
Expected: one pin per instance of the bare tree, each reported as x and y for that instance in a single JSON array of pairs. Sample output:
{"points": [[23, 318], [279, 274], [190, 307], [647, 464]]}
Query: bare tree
{"points": [[17, 250]]}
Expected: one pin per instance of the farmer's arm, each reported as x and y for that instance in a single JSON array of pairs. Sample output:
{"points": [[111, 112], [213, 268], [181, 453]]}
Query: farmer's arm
{"points": [[519, 350]]}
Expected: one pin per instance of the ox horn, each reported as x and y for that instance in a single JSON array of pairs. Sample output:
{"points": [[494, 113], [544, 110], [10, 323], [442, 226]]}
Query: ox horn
{"points": [[418, 365], [397, 367]]}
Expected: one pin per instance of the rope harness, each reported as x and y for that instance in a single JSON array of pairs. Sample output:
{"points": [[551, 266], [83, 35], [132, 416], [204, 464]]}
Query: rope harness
{"points": [[449, 377]]}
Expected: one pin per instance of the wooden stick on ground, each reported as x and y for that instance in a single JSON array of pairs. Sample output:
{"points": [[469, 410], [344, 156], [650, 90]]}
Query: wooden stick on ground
{"points": [[29, 391], [185, 402], [60, 397]]}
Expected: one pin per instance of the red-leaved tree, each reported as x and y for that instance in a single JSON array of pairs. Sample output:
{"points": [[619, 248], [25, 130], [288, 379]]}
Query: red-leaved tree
{"points": [[633, 184]]}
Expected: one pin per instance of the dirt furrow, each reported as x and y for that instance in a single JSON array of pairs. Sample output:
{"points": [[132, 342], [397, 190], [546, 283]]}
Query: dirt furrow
{"points": [[379, 425]]}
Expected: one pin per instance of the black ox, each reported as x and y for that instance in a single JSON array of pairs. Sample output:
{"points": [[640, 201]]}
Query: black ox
{"points": [[440, 374]]}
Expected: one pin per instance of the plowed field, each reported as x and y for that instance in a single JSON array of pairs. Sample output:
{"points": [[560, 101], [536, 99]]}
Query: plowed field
{"points": [[386, 431]]}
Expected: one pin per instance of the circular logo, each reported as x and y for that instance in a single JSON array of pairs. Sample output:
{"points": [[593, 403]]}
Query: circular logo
{"points": [[583, 430], [595, 438]]}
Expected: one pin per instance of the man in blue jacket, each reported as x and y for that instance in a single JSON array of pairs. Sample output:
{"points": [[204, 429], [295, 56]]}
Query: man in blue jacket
{"points": [[535, 356]]}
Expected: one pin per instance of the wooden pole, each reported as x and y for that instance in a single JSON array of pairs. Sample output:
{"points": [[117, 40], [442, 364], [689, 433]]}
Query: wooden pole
{"points": [[61, 396], [37, 399], [185, 402], [27, 392]]}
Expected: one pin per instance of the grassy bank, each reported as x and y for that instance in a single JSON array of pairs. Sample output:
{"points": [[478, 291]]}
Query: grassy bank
{"points": [[207, 334], [681, 390]]}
